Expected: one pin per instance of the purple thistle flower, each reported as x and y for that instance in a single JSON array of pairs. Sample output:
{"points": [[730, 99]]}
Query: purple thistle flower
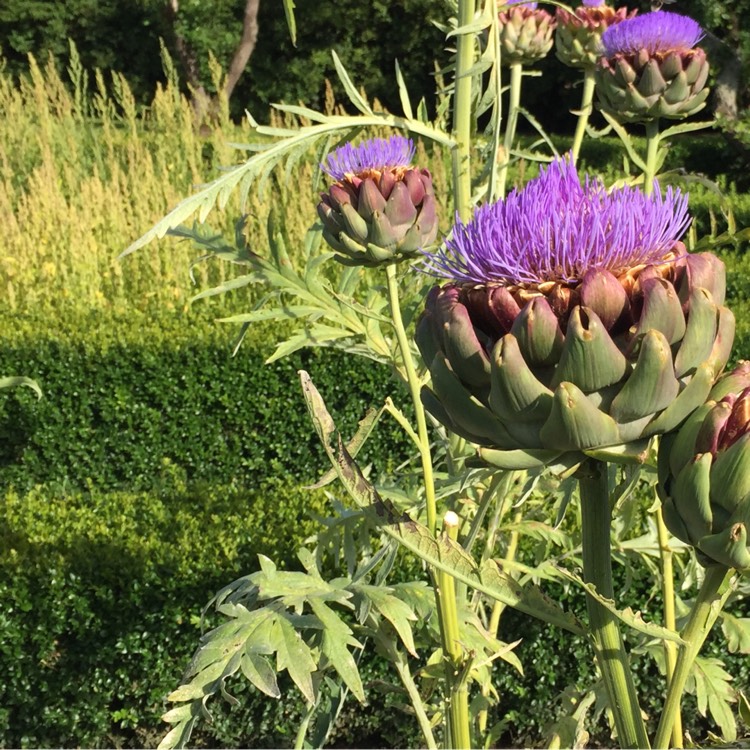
{"points": [[556, 229], [657, 33], [376, 153]]}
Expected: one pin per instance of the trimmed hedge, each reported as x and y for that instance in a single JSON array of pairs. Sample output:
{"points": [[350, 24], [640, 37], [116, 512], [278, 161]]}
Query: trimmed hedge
{"points": [[123, 393]]}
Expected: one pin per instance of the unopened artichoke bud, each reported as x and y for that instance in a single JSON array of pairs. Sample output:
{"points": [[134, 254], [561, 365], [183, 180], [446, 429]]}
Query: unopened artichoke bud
{"points": [[578, 37], [380, 209], [704, 475], [651, 68], [525, 33], [574, 323]]}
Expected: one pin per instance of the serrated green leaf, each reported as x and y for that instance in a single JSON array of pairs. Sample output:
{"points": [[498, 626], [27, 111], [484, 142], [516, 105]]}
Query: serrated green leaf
{"points": [[294, 655], [337, 635], [393, 609], [744, 708], [713, 692], [686, 127], [364, 429], [184, 718], [260, 673], [442, 553], [294, 109], [403, 93], [15, 381], [290, 21], [318, 335], [625, 138], [627, 616], [737, 632], [351, 91]]}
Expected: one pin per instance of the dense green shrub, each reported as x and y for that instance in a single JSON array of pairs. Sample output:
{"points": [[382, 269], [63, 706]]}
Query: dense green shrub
{"points": [[102, 593], [123, 393]]}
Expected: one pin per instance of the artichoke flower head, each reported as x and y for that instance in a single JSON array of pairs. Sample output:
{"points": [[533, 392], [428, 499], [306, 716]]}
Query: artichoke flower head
{"points": [[704, 475], [573, 323], [578, 37], [650, 68], [380, 209], [525, 33]]}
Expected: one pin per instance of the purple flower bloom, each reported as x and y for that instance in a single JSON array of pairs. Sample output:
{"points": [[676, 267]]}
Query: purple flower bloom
{"points": [[593, 3], [657, 33], [556, 229], [376, 153]]}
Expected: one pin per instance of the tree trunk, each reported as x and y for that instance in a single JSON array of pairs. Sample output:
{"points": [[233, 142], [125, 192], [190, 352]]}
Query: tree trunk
{"points": [[245, 47], [186, 53], [726, 92]]}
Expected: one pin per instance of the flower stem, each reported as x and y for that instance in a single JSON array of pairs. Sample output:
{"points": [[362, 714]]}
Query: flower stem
{"points": [[457, 693], [670, 621], [652, 155], [445, 589], [498, 607], [597, 569], [703, 615], [587, 99], [414, 388], [516, 76], [462, 112]]}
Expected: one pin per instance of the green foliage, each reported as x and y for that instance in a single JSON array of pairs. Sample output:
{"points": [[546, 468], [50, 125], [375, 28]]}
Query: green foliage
{"points": [[122, 393], [102, 593]]}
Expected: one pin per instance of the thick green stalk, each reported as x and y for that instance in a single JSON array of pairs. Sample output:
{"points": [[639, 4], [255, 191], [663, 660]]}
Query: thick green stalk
{"points": [[462, 113], [516, 76], [703, 615], [597, 569], [445, 591], [587, 106], [414, 389], [652, 154], [670, 620], [457, 693]]}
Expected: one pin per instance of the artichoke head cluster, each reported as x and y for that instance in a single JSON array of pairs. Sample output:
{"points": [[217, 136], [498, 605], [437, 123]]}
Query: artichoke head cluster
{"points": [[380, 215], [704, 475], [525, 34], [640, 86], [578, 35], [554, 372]]}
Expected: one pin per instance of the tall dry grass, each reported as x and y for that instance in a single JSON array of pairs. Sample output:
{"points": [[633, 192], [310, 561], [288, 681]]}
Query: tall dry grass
{"points": [[84, 171]]}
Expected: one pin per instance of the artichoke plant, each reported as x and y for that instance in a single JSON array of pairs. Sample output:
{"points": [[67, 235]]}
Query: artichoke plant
{"points": [[525, 33], [578, 36], [379, 209], [704, 475], [651, 68], [574, 323]]}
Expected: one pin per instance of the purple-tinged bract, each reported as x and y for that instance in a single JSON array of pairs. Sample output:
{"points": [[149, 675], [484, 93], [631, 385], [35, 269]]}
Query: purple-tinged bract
{"points": [[656, 33], [556, 229], [704, 475], [578, 39], [525, 33], [574, 323], [650, 68], [376, 153], [380, 209]]}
